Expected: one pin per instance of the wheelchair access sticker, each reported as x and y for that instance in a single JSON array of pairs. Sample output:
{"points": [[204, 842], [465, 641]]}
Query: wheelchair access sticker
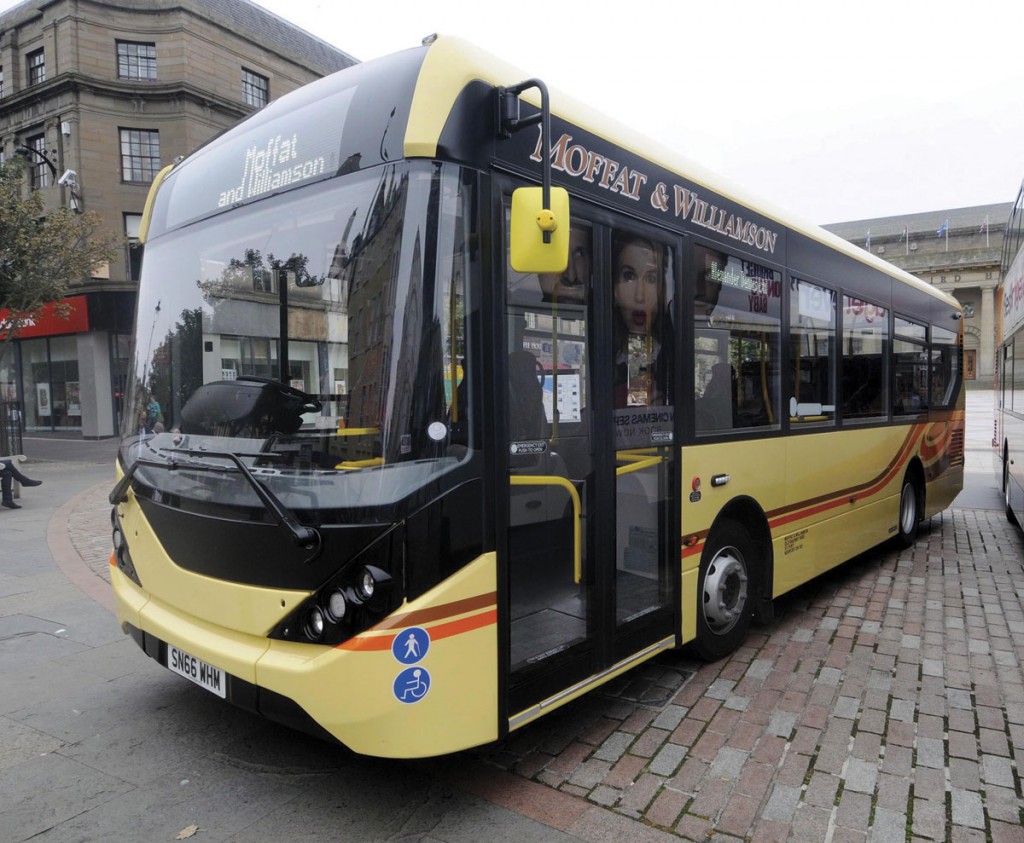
{"points": [[411, 685]]}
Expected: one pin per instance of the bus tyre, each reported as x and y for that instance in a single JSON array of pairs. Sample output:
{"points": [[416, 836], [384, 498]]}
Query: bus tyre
{"points": [[725, 596], [910, 513], [1007, 502]]}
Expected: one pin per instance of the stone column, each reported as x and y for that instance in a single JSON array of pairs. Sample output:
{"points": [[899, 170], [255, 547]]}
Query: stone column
{"points": [[987, 349]]}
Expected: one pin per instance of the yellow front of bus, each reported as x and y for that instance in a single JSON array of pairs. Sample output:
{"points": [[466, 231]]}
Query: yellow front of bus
{"points": [[300, 524]]}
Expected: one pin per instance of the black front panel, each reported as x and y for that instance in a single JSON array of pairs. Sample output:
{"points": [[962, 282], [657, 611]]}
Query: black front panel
{"points": [[252, 552]]}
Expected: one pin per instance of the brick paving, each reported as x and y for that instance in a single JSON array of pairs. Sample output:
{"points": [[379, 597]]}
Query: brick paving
{"points": [[885, 702]]}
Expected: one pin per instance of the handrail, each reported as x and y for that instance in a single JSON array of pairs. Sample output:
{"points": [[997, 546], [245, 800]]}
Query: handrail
{"points": [[639, 465], [350, 465], [639, 459], [577, 511]]}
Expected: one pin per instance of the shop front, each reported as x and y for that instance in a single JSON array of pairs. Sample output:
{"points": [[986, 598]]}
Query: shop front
{"points": [[65, 371]]}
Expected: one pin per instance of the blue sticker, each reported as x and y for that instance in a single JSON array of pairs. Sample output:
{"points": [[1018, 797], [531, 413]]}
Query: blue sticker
{"points": [[411, 685], [411, 645]]}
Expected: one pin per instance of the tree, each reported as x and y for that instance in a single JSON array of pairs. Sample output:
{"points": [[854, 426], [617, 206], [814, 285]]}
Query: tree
{"points": [[42, 253]]}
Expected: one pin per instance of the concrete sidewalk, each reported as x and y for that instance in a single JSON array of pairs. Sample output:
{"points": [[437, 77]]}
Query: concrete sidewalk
{"points": [[884, 702]]}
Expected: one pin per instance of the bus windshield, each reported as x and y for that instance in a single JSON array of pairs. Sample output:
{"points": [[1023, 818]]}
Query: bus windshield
{"points": [[316, 334]]}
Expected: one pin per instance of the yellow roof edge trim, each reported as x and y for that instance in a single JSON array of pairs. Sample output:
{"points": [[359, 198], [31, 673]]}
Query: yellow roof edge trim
{"points": [[147, 210], [452, 63]]}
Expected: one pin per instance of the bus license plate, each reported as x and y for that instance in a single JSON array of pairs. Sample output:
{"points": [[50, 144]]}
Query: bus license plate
{"points": [[196, 670]]}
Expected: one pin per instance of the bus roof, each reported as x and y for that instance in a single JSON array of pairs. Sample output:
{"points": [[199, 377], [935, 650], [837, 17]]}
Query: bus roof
{"points": [[452, 63]]}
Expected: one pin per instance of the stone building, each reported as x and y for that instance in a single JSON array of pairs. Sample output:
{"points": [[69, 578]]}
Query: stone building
{"points": [[957, 250], [98, 96]]}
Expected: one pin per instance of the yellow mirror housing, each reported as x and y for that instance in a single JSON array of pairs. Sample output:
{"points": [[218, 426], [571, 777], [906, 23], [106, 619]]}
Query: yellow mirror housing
{"points": [[529, 222]]}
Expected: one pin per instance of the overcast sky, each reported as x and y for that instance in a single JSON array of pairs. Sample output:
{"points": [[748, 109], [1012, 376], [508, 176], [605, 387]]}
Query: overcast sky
{"points": [[835, 111]]}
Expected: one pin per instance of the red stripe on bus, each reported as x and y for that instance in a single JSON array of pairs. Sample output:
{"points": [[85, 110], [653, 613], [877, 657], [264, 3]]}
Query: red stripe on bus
{"points": [[445, 610], [813, 506], [442, 630]]}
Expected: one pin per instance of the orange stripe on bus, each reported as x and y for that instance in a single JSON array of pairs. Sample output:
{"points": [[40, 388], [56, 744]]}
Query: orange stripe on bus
{"points": [[445, 610], [442, 630], [813, 506]]}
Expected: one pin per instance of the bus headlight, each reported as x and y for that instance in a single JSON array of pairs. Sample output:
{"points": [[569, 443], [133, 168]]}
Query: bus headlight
{"points": [[121, 555], [367, 585], [336, 605], [356, 597], [314, 623]]}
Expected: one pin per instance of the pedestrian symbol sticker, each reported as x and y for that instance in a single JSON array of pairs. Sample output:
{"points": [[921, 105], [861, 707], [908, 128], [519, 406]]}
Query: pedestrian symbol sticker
{"points": [[411, 685], [410, 645]]}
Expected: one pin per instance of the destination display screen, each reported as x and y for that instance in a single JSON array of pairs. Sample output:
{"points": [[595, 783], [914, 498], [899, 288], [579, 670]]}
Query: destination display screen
{"points": [[261, 157]]}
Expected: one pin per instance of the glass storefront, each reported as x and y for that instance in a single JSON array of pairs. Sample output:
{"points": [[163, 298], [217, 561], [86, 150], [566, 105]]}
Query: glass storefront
{"points": [[67, 369], [52, 389]]}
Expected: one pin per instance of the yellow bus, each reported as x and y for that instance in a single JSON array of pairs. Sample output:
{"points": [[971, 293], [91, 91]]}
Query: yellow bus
{"points": [[1009, 405], [453, 400]]}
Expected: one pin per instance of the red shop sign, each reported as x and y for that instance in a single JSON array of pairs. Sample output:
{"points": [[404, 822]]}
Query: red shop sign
{"points": [[45, 322]]}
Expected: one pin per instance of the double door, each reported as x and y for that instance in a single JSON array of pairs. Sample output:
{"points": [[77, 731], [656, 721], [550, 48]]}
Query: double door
{"points": [[592, 555]]}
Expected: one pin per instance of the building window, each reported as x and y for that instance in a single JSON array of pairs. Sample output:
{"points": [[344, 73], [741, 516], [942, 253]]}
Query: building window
{"points": [[255, 89], [136, 61], [140, 154], [1, 80], [39, 170], [36, 67], [132, 225]]}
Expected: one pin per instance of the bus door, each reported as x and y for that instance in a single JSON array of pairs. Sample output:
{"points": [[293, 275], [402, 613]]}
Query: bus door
{"points": [[589, 444]]}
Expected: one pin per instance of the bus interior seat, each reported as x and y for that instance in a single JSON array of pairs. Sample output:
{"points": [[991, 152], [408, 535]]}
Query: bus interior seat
{"points": [[526, 418], [716, 408]]}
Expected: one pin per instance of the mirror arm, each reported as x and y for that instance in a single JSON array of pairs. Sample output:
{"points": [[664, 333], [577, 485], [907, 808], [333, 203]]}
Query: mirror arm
{"points": [[509, 122]]}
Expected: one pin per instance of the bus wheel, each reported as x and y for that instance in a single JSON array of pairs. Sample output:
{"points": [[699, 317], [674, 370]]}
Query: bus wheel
{"points": [[1007, 503], [910, 513], [726, 593]]}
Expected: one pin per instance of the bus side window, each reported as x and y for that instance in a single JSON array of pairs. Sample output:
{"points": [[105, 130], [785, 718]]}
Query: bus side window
{"points": [[737, 310], [865, 361], [945, 366], [812, 320], [909, 352]]}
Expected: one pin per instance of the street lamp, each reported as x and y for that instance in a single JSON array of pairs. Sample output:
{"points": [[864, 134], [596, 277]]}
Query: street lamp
{"points": [[68, 180], [24, 151]]}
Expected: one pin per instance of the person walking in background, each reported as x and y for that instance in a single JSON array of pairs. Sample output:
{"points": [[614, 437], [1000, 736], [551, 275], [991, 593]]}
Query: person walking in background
{"points": [[8, 474], [153, 414]]}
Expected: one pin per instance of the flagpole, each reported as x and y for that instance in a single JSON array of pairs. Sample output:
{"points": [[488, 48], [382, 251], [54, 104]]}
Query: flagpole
{"points": [[947, 235]]}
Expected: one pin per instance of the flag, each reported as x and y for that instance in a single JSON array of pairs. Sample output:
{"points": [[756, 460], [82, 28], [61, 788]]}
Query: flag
{"points": [[905, 234], [867, 244], [984, 226], [944, 229]]}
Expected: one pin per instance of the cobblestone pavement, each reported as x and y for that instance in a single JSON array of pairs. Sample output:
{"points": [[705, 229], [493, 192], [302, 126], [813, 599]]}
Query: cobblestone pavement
{"points": [[884, 702]]}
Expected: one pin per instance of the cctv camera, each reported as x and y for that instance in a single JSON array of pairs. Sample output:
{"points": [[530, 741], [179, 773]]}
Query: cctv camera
{"points": [[70, 177]]}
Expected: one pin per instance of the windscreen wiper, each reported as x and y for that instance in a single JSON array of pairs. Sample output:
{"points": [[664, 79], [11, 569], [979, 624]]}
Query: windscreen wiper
{"points": [[302, 536]]}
